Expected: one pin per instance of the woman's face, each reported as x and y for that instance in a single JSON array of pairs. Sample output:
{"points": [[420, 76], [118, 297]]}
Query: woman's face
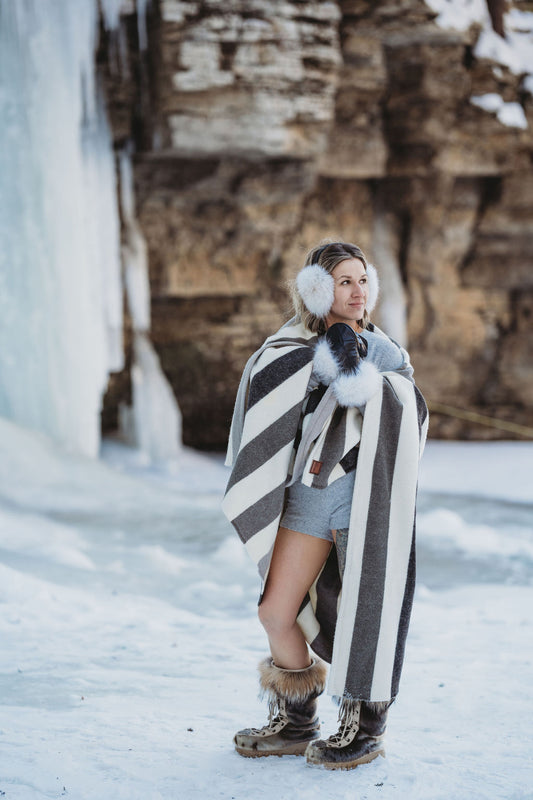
{"points": [[351, 293]]}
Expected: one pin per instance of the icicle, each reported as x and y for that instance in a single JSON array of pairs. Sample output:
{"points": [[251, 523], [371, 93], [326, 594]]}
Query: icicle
{"points": [[60, 269], [142, 8], [154, 422], [60, 293], [393, 300], [156, 415], [134, 253]]}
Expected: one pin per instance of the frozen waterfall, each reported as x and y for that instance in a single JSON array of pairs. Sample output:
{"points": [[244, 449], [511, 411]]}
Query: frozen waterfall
{"points": [[153, 424], [61, 287]]}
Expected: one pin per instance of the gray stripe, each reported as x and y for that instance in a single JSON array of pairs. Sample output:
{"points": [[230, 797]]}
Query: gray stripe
{"points": [[263, 565], [240, 401], [333, 447], [273, 375], [259, 450], [371, 589], [405, 616], [422, 410], [313, 429], [327, 591], [260, 514]]}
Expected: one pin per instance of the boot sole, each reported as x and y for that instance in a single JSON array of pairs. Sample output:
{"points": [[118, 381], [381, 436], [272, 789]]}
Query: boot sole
{"points": [[348, 764], [294, 750]]}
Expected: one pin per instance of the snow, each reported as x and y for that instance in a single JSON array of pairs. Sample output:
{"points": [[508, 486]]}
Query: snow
{"points": [[460, 14], [510, 114], [130, 636], [502, 470], [515, 51]]}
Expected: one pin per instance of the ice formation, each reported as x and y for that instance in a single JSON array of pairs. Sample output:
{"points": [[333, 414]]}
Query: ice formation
{"points": [[60, 271], [154, 422]]}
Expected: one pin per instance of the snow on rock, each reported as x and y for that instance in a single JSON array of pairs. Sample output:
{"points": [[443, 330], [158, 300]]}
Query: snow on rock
{"points": [[490, 45], [510, 114], [514, 52], [460, 14]]}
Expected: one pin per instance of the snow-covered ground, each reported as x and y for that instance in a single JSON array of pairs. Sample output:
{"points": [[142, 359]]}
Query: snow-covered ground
{"points": [[130, 640]]}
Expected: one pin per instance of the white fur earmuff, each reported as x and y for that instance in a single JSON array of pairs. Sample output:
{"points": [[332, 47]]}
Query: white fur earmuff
{"points": [[316, 287], [373, 287]]}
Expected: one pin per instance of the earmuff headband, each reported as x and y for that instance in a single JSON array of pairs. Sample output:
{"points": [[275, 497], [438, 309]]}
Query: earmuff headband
{"points": [[316, 287]]}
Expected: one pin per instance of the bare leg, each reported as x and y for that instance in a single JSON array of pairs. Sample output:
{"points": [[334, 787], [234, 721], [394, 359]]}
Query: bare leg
{"points": [[296, 561]]}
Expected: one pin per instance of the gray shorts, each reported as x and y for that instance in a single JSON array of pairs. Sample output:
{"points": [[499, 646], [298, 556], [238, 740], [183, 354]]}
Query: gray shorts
{"points": [[319, 511]]}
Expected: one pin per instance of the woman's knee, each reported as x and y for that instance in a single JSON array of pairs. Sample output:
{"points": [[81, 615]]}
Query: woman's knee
{"points": [[274, 618]]}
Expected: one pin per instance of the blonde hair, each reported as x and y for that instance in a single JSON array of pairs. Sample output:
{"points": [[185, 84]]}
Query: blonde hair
{"points": [[327, 256]]}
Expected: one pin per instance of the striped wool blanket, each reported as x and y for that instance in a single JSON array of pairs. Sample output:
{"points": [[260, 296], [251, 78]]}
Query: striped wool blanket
{"points": [[357, 622]]}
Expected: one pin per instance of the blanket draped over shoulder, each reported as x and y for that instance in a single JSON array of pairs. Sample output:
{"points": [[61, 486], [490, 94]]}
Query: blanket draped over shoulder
{"points": [[358, 622]]}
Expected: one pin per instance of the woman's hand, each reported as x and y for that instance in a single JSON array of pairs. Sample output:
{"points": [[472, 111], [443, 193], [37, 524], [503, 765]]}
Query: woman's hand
{"points": [[347, 347]]}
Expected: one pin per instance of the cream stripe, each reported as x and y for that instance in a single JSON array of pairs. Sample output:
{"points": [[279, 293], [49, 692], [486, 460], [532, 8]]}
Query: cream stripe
{"points": [[312, 589], [260, 482], [402, 504], [336, 472], [261, 543], [423, 435], [351, 438], [272, 354], [271, 407], [308, 623], [356, 542], [296, 331], [354, 421]]}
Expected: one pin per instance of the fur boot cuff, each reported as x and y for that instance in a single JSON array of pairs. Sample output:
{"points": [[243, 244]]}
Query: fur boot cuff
{"points": [[293, 685]]}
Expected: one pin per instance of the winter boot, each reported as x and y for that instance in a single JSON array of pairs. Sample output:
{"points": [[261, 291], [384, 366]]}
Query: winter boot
{"points": [[359, 738], [292, 720]]}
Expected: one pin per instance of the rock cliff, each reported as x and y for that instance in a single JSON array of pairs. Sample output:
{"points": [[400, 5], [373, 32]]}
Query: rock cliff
{"points": [[262, 127]]}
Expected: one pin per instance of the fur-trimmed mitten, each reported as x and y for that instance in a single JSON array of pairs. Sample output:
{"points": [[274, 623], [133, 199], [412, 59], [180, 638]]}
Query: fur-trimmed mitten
{"points": [[340, 360], [292, 721], [358, 740], [347, 347]]}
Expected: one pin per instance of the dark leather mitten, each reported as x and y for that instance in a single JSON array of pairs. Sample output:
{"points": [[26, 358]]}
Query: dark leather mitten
{"points": [[346, 345]]}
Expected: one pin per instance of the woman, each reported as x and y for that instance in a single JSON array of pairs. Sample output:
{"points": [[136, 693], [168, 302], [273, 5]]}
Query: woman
{"points": [[325, 441]]}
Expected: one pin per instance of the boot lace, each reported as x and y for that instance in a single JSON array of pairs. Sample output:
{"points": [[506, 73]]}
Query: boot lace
{"points": [[349, 713], [277, 718]]}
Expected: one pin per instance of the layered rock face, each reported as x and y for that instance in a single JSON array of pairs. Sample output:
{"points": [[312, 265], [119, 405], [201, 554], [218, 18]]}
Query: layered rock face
{"points": [[263, 127]]}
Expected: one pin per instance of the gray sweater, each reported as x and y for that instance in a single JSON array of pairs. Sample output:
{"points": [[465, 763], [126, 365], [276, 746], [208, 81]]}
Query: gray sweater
{"points": [[383, 352], [387, 356]]}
